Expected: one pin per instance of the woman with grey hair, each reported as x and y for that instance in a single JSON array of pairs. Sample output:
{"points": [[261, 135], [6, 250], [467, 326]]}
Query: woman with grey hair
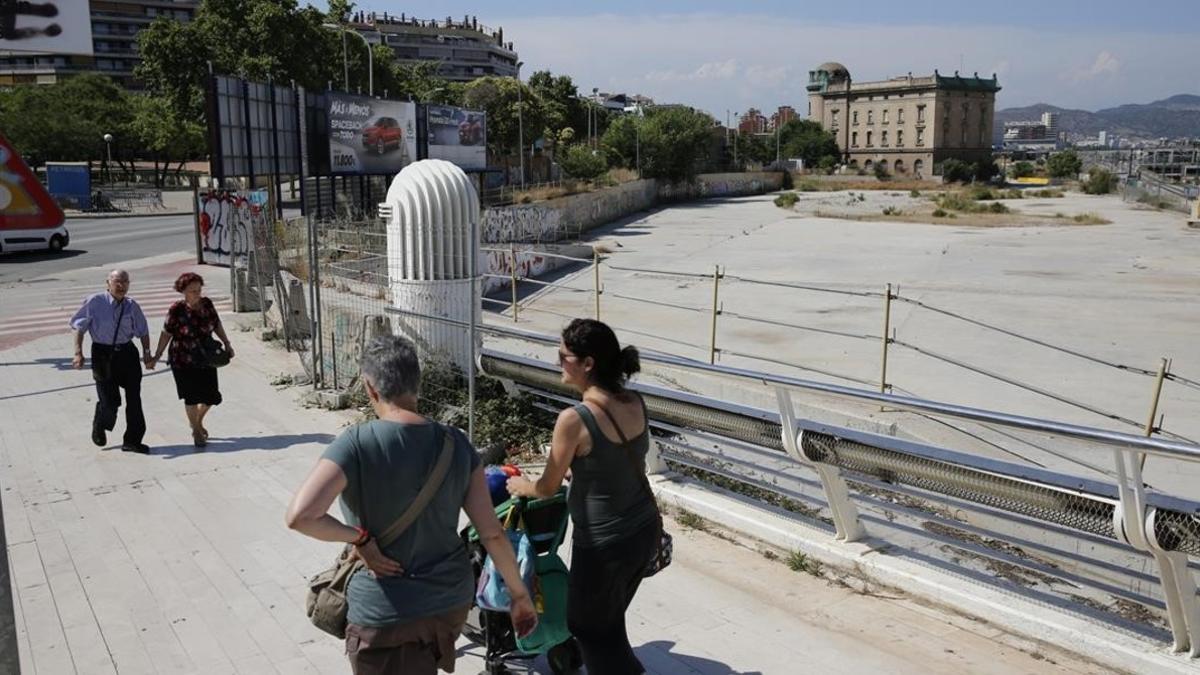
{"points": [[408, 607]]}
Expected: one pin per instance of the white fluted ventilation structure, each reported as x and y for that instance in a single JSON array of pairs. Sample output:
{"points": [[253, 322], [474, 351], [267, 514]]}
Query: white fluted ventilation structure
{"points": [[431, 211]]}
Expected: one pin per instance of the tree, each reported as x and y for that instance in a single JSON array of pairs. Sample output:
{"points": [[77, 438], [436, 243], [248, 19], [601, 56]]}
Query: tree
{"points": [[163, 136], [807, 140], [1022, 170], [257, 39], [561, 108], [957, 171], [752, 147], [1099, 181], [580, 161], [67, 121], [1065, 164], [498, 97], [674, 142], [620, 141], [985, 169]]}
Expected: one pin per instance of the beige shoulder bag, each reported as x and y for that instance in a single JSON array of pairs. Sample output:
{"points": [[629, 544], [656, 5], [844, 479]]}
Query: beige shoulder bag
{"points": [[327, 605]]}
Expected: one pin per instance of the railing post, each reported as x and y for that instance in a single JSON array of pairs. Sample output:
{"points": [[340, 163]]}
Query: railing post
{"points": [[887, 326], [1158, 382], [596, 279], [512, 262], [712, 337], [837, 493]]}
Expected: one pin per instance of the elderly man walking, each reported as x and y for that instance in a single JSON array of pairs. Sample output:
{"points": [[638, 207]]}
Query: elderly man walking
{"points": [[113, 320]]}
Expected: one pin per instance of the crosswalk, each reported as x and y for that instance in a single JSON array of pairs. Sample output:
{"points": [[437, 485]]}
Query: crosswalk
{"points": [[33, 311]]}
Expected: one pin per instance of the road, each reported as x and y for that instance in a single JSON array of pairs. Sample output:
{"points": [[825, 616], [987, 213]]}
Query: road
{"points": [[101, 242]]}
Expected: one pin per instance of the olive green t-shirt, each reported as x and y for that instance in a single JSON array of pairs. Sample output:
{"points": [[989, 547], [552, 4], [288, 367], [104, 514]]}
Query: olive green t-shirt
{"points": [[385, 464]]}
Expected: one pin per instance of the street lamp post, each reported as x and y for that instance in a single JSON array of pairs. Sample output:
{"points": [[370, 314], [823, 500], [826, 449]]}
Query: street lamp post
{"points": [[520, 126], [346, 62], [595, 117], [108, 139]]}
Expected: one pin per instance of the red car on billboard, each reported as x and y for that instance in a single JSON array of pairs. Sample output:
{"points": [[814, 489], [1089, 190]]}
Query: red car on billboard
{"points": [[383, 135]]}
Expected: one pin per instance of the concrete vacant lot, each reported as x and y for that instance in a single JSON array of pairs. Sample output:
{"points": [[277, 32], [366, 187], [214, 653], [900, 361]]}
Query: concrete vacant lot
{"points": [[1124, 293]]}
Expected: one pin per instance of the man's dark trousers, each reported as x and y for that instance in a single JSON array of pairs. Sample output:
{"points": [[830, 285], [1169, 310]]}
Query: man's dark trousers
{"points": [[126, 374]]}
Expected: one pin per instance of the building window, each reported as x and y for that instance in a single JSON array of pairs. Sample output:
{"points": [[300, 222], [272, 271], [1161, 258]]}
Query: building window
{"points": [[810, 108], [920, 114], [854, 139], [885, 115], [899, 115], [834, 115], [854, 117], [883, 139], [966, 107], [870, 118], [869, 141], [899, 138]]}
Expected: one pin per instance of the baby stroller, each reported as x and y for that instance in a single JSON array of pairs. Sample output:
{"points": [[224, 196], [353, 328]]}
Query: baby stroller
{"points": [[544, 522]]}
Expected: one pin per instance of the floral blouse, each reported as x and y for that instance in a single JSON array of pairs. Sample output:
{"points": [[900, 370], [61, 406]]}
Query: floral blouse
{"points": [[187, 326]]}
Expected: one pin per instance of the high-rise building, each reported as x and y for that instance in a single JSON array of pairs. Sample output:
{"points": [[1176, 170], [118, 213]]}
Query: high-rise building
{"points": [[910, 124], [115, 26], [465, 49], [752, 122], [782, 116]]}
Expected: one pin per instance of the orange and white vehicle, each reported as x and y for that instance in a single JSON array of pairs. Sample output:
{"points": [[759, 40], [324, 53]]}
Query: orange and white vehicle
{"points": [[29, 217]]}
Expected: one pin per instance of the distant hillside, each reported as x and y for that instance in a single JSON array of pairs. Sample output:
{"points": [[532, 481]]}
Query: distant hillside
{"points": [[1171, 117]]}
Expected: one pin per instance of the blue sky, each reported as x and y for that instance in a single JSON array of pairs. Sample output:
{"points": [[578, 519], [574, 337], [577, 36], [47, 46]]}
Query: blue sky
{"points": [[722, 56]]}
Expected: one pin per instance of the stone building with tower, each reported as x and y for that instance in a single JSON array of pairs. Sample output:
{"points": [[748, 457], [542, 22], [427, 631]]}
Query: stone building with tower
{"points": [[910, 124]]}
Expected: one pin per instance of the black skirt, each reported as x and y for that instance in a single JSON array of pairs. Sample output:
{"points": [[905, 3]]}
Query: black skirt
{"points": [[197, 386]]}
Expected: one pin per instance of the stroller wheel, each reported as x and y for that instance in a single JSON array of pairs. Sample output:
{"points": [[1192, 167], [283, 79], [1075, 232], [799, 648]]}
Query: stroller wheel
{"points": [[565, 657], [495, 668]]}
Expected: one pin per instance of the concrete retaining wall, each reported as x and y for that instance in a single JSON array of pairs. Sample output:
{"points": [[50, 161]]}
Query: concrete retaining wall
{"points": [[566, 219]]}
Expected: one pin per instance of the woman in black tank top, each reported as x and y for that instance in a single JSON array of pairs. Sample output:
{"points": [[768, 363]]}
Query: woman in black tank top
{"points": [[617, 526]]}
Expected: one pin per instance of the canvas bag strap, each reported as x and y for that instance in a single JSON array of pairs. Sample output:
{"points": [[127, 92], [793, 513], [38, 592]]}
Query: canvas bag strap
{"points": [[433, 482], [117, 329]]}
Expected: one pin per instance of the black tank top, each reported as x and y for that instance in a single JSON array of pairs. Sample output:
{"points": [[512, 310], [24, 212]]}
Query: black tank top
{"points": [[609, 498]]}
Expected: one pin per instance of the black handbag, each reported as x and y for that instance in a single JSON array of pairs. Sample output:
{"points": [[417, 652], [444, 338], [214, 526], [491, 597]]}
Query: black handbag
{"points": [[210, 354], [103, 355]]}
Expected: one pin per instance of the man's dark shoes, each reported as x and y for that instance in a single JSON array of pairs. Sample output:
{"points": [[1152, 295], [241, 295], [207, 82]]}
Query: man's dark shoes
{"points": [[140, 448], [98, 437]]}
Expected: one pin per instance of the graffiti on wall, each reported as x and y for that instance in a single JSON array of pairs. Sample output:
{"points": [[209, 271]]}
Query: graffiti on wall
{"points": [[226, 220], [529, 265]]}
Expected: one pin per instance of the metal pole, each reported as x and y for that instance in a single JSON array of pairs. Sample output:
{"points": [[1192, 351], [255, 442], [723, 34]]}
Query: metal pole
{"points": [[887, 323], [596, 280], [512, 259], [313, 291], [520, 133], [712, 337], [333, 348], [1158, 382], [345, 65], [473, 265]]}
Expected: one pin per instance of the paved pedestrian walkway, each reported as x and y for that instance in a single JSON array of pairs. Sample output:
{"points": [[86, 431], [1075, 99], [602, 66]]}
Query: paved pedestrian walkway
{"points": [[179, 562]]}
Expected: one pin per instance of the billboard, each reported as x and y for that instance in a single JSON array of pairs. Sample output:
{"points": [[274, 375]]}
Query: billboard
{"points": [[62, 27], [70, 184], [370, 136], [457, 135]]}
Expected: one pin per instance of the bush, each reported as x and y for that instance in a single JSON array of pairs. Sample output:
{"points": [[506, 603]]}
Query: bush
{"points": [[1022, 170], [956, 171], [1049, 194], [789, 181], [827, 164], [939, 213], [787, 200], [580, 161], [985, 170], [808, 185], [997, 207], [880, 171], [1065, 164], [891, 211], [1099, 181], [980, 193], [914, 193]]}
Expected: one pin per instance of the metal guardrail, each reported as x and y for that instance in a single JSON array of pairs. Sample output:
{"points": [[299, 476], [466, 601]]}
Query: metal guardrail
{"points": [[1162, 526]]}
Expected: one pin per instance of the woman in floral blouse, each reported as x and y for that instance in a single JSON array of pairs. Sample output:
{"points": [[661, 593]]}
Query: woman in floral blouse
{"points": [[189, 322]]}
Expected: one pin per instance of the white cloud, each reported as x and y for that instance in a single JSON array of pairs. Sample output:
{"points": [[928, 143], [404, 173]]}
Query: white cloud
{"points": [[717, 70], [1105, 65], [734, 62]]}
